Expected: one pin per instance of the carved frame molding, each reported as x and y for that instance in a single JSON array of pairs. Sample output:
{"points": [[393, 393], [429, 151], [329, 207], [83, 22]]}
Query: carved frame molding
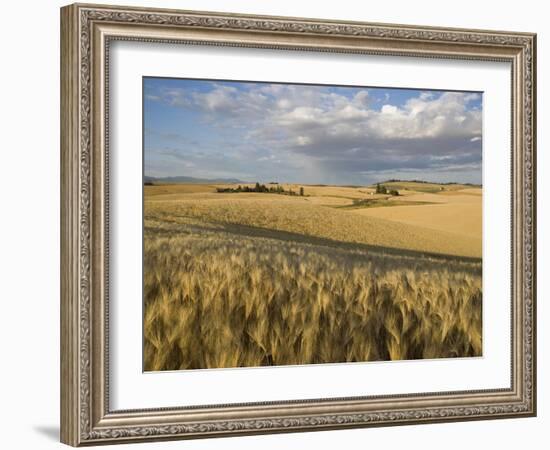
{"points": [[86, 32]]}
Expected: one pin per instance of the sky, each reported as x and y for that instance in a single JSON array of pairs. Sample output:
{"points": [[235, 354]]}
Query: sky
{"points": [[311, 134]]}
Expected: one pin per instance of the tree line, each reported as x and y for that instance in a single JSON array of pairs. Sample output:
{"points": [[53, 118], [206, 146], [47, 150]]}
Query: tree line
{"points": [[381, 189], [262, 188]]}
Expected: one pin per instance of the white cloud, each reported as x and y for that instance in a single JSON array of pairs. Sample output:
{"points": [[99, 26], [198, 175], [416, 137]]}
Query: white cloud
{"points": [[303, 140], [361, 99], [345, 132], [390, 109]]}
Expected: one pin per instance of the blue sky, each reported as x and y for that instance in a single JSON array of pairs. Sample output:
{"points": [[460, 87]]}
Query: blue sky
{"points": [[309, 133]]}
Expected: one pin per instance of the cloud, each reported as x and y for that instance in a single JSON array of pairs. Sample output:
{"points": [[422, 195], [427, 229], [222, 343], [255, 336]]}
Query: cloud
{"points": [[340, 130]]}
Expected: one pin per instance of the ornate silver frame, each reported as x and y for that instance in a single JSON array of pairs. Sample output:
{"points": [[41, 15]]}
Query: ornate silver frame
{"points": [[86, 32]]}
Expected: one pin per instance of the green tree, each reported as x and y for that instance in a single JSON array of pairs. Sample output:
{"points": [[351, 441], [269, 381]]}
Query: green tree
{"points": [[301, 191]]}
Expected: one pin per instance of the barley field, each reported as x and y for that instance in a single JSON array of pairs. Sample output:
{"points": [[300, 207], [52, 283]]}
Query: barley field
{"points": [[250, 279]]}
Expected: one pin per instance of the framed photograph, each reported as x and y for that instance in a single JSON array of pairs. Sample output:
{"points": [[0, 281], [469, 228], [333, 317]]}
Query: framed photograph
{"points": [[276, 224]]}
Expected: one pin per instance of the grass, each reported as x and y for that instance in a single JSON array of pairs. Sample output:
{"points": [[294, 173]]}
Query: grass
{"points": [[298, 215], [378, 203], [457, 212], [425, 187], [214, 299], [259, 281]]}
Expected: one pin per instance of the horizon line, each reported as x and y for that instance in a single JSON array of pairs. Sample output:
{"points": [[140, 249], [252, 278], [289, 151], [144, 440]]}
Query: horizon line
{"points": [[389, 180]]}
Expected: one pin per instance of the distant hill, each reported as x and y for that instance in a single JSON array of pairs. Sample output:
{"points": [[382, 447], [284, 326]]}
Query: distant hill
{"points": [[190, 180], [425, 186], [393, 180]]}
